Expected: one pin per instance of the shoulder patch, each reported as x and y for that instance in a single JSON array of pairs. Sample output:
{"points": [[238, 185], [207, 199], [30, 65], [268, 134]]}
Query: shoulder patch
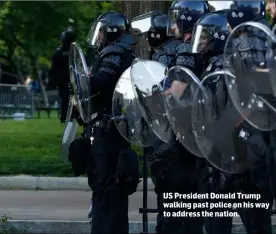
{"points": [[171, 46], [186, 61], [112, 49], [113, 59], [164, 59]]}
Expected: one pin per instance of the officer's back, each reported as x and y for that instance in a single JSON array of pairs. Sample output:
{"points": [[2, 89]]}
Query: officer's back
{"points": [[60, 59]]}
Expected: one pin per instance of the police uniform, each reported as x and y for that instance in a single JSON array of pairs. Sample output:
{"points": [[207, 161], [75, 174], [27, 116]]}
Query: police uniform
{"points": [[110, 197], [175, 167], [166, 53], [186, 59], [160, 169], [60, 73], [113, 168]]}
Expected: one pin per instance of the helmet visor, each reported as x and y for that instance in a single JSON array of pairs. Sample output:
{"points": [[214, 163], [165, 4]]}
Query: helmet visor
{"points": [[203, 39], [172, 28], [141, 24], [97, 34]]}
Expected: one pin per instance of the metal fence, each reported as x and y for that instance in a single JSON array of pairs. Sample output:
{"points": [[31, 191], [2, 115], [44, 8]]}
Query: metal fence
{"points": [[16, 100]]}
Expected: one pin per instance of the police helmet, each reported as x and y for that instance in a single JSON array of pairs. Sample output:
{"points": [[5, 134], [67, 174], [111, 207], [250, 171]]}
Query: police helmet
{"points": [[157, 33], [243, 11], [210, 33], [68, 36], [183, 15], [108, 29]]}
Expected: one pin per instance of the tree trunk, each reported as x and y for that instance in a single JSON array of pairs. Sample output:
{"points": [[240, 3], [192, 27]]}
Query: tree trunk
{"points": [[19, 71], [135, 8], [14, 62], [39, 77]]}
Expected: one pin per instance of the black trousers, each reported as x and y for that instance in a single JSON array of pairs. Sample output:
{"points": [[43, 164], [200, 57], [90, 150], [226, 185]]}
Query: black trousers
{"points": [[109, 212], [64, 95], [109, 201]]}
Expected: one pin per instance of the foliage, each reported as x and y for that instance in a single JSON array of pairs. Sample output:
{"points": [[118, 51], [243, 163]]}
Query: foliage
{"points": [[6, 229], [31, 30], [4, 219]]}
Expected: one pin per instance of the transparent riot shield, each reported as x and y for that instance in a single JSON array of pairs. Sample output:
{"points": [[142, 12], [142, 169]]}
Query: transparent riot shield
{"points": [[142, 23], [220, 132], [274, 29], [179, 90], [140, 26], [249, 56], [80, 81], [127, 115], [69, 131], [147, 77]]}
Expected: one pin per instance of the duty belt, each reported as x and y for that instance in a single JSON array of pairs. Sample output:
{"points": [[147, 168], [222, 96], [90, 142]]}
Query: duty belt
{"points": [[87, 131], [105, 122]]}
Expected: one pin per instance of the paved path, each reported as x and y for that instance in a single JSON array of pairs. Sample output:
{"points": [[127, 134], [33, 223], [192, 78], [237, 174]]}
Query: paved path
{"points": [[59, 205]]}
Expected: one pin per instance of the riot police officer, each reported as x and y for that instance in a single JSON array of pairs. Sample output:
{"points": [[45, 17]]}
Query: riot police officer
{"points": [[163, 49], [209, 40], [211, 51], [183, 15], [116, 164], [162, 46], [180, 163], [172, 165], [249, 11], [60, 71]]}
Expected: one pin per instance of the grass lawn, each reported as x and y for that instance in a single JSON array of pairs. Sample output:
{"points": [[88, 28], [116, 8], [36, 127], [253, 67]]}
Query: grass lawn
{"points": [[33, 147]]}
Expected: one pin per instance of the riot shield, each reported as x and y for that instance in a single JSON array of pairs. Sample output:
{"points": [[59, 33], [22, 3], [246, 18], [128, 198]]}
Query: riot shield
{"points": [[69, 132], [127, 115], [80, 82], [140, 26], [249, 56], [274, 29], [146, 77], [220, 131], [179, 90], [142, 23]]}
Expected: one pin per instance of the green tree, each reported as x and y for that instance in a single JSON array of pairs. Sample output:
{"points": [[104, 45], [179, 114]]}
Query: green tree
{"points": [[30, 31]]}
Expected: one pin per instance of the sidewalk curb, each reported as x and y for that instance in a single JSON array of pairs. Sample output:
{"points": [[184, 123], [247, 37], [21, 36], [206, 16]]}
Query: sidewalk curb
{"points": [[23, 182], [75, 227]]}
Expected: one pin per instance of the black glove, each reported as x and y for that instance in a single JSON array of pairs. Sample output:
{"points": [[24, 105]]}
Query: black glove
{"points": [[164, 151], [70, 87], [75, 115]]}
